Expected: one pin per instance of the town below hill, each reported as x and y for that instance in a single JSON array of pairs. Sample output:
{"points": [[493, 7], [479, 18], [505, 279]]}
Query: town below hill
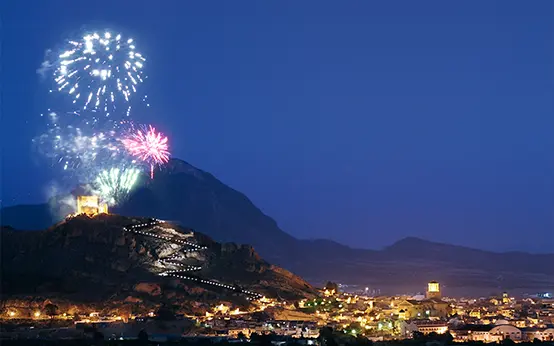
{"points": [[331, 318]]}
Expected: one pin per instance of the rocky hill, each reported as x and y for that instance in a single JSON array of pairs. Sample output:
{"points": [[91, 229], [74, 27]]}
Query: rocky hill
{"points": [[189, 196], [116, 258]]}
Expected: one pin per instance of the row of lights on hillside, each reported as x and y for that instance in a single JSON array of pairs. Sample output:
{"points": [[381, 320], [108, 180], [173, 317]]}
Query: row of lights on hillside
{"points": [[195, 248], [189, 269], [162, 237], [210, 283]]}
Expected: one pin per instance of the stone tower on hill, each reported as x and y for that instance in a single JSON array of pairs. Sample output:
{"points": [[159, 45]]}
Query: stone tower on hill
{"points": [[433, 290]]}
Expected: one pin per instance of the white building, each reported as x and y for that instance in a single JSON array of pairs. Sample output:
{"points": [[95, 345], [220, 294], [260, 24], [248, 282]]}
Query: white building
{"points": [[543, 334], [487, 333]]}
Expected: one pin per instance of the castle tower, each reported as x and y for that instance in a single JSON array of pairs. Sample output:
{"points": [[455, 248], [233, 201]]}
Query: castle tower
{"points": [[90, 205], [433, 290]]}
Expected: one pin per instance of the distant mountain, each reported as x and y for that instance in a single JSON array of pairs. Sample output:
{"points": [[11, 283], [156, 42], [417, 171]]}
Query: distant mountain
{"points": [[109, 258], [28, 217], [192, 197]]}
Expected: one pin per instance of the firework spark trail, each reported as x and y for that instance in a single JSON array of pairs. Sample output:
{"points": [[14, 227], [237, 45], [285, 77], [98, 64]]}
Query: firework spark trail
{"points": [[100, 72], [115, 184], [149, 146]]}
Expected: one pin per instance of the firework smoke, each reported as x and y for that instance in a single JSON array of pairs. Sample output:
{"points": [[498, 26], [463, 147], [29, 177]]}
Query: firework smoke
{"points": [[80, 149]]}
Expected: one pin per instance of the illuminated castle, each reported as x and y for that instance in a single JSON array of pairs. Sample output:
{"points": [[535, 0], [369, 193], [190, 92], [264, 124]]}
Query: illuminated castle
{"points": [[90, 205], [433, 290]]}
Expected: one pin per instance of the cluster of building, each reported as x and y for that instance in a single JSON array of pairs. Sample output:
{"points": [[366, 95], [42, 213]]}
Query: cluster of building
{"points": [[236, 328], [396, 317], [483, 319], [489, 319]]}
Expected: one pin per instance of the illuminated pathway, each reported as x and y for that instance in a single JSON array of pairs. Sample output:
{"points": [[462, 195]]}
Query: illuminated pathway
{"points": [[134, 229], [170, 261]]}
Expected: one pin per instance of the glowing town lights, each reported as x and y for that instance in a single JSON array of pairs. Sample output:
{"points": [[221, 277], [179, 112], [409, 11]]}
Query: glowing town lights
{"points": [[37, 314]]}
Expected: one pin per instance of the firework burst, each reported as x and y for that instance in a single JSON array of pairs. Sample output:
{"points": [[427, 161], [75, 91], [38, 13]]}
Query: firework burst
{"points": [[100, 72], [148, 146], [115, 184]]}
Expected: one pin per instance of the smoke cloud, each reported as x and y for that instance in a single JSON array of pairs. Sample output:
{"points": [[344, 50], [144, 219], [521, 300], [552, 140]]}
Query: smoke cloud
{"points": [[46, 65]]}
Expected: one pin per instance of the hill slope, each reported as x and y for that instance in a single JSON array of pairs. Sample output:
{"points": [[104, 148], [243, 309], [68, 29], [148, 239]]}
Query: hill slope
{"points": [[195, 198], [92, 259]]}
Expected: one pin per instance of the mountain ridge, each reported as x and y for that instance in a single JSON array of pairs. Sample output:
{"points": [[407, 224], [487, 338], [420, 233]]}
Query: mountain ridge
{"points": [[42, 208], [413, 241], [198, 200]]}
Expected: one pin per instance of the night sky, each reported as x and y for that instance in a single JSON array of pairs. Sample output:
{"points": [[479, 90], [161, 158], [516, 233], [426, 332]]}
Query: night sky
{"points": [[359, 121]]}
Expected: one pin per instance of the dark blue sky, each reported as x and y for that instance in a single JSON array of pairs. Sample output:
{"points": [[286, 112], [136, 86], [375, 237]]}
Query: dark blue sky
{"points": [[360, 121]]}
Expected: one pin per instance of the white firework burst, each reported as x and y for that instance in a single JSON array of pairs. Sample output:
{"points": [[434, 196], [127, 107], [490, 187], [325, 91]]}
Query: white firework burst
{"points": [[101, 72]]}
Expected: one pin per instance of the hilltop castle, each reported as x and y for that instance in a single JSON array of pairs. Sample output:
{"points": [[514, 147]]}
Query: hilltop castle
{"points": [[90, 205]]}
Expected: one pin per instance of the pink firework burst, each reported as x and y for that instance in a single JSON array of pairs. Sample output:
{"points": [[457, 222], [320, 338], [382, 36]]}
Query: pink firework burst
{"points": [[149, 146]]}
